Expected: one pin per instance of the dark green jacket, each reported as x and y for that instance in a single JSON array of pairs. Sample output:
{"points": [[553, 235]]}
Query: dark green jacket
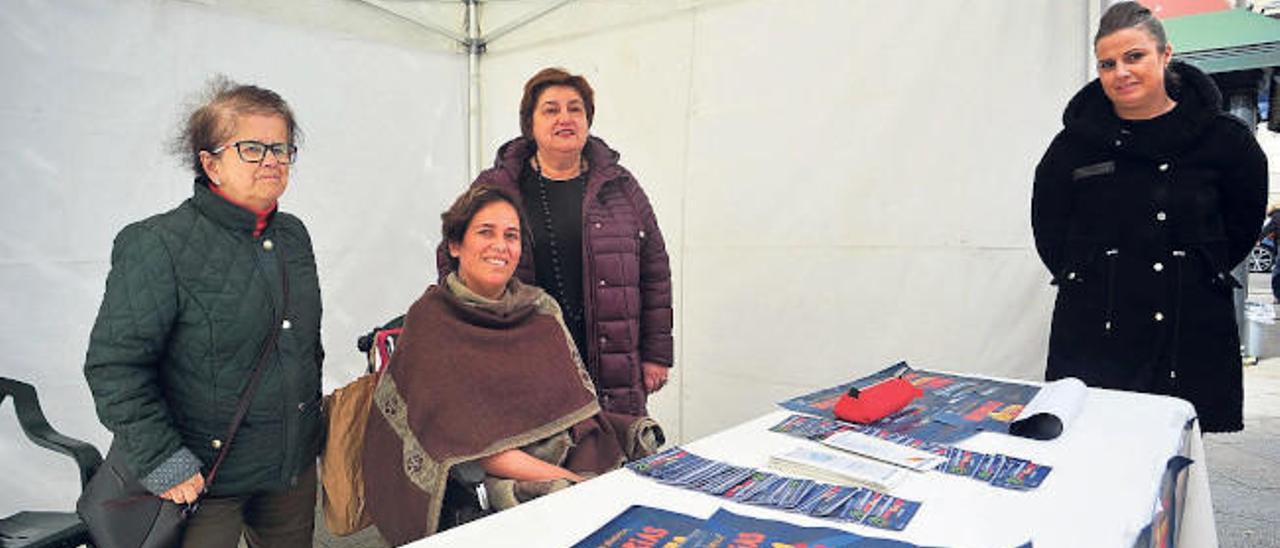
{"points": [[190, 301]]}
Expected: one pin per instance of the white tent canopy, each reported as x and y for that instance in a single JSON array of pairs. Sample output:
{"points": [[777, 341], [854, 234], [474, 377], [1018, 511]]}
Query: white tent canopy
{"points": [[841, 184]]}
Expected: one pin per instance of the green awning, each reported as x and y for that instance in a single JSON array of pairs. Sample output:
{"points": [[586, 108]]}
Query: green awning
{"points": [[1226, 40]]}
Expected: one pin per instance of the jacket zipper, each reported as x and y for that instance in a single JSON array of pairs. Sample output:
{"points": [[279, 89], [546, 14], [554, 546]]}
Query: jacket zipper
{"points": [[588, 294], [1181, 256], [589, 283], [1109, 314]]}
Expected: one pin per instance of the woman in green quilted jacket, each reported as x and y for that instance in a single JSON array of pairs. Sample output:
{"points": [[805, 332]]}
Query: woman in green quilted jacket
{"points": [[197, 299]]}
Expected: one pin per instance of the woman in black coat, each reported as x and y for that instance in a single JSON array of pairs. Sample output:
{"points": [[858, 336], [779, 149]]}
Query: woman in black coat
{"points": [[1142, 205]]}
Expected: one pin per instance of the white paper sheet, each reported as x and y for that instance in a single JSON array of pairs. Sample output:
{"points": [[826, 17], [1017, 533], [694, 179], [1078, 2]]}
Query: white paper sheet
{"points": [[882, 450], [1050, 413]]}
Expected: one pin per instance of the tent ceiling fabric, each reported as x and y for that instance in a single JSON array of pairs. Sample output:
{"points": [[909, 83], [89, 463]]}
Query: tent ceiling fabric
{"points": [[841, 184]]}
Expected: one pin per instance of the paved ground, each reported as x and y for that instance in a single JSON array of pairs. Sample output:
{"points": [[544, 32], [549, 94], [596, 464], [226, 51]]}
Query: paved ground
{"points": [[1243, 474], [1243, 477], [368, 538]]}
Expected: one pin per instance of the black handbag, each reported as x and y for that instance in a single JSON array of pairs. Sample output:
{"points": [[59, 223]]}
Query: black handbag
{"points": [[121, 513]]}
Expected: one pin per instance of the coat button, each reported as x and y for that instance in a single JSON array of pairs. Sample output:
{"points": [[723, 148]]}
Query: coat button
{"points": [[1173, 374], [1107, 326], [268, 245], [216, 444], [1157, 267], [1164, 167], [302, 407], [602, 283], [1071, 275], [641, 234], [1159, 316], [604, 340], [1119, 142], [598, 225], [286, 324], [1160, 216]]}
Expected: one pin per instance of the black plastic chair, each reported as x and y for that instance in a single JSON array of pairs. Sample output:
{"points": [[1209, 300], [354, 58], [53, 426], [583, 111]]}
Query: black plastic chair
{"points": [[45, 529]]}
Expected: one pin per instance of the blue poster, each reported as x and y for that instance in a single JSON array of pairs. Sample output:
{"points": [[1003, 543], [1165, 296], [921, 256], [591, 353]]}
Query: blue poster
{"points": [[952, 408]]}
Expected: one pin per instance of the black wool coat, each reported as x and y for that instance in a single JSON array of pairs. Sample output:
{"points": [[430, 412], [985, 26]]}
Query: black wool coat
{"points": [[1140, 223]]}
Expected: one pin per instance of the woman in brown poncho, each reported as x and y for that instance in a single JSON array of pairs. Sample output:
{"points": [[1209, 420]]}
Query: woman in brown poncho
{"points": [[484, 374]]}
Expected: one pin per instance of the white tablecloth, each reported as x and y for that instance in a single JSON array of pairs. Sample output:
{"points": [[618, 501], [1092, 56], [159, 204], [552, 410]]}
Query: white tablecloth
{"points": [[1103, 489]]}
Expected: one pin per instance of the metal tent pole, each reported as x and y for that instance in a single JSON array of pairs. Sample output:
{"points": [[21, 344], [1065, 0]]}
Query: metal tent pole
{"points": [[475, 46], [475, 43]]}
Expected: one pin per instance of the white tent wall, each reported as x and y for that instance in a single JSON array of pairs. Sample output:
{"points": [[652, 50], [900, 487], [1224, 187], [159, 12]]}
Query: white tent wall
{"points": [[842, 185], [94, 90]]}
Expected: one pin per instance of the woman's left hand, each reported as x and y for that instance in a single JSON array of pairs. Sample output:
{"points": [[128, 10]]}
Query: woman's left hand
{"points": [[655, 376]]}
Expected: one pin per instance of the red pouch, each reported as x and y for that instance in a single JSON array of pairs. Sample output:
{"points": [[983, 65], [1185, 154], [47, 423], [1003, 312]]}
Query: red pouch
{"points": [[877, 401]]}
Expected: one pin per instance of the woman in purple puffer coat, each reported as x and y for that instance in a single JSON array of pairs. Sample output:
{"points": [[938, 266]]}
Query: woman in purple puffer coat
{"points": [[596, 245]]}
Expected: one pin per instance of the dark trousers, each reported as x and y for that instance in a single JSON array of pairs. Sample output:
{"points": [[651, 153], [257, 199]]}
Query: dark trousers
{"points": [[280, 519]]}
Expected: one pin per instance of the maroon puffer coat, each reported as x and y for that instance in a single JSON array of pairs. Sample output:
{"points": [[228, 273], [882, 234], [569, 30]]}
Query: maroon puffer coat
{"points": [[626, 272]]}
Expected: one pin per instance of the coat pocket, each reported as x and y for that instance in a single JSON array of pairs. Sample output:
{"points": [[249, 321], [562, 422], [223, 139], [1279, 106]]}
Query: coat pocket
{"points": [[1212, 272], [1087, 289], [1077, 267]]}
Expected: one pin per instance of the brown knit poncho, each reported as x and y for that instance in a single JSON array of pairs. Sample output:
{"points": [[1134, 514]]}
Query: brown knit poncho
{"points": [[472, 377]]}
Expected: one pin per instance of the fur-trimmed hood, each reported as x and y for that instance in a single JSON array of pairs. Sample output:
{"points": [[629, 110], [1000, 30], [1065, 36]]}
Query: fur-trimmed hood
{"points": [[1091, 117]]}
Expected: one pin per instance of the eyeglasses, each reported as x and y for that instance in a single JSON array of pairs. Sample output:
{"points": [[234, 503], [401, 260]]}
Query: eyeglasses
{"points": [[255, 152]]}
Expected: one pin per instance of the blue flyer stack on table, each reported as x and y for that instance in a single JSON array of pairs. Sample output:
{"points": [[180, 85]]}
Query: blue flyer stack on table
{"points": [[645, 526], [998, 470], [953, 407], [680, 468]]}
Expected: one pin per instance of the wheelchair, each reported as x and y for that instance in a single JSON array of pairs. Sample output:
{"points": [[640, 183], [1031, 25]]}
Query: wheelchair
{"points": [[464, 495]]}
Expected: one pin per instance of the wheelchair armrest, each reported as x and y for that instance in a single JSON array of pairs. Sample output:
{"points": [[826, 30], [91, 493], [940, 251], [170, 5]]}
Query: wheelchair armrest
{"points": [[37, 428], [468, 473]]}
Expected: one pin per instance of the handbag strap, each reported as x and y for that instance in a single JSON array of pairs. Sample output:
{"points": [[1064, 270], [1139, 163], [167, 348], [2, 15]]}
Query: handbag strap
{"points": [[242, 407]]}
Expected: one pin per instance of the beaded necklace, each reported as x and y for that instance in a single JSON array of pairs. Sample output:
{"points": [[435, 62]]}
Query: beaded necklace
{"points": [[572, 311]]}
